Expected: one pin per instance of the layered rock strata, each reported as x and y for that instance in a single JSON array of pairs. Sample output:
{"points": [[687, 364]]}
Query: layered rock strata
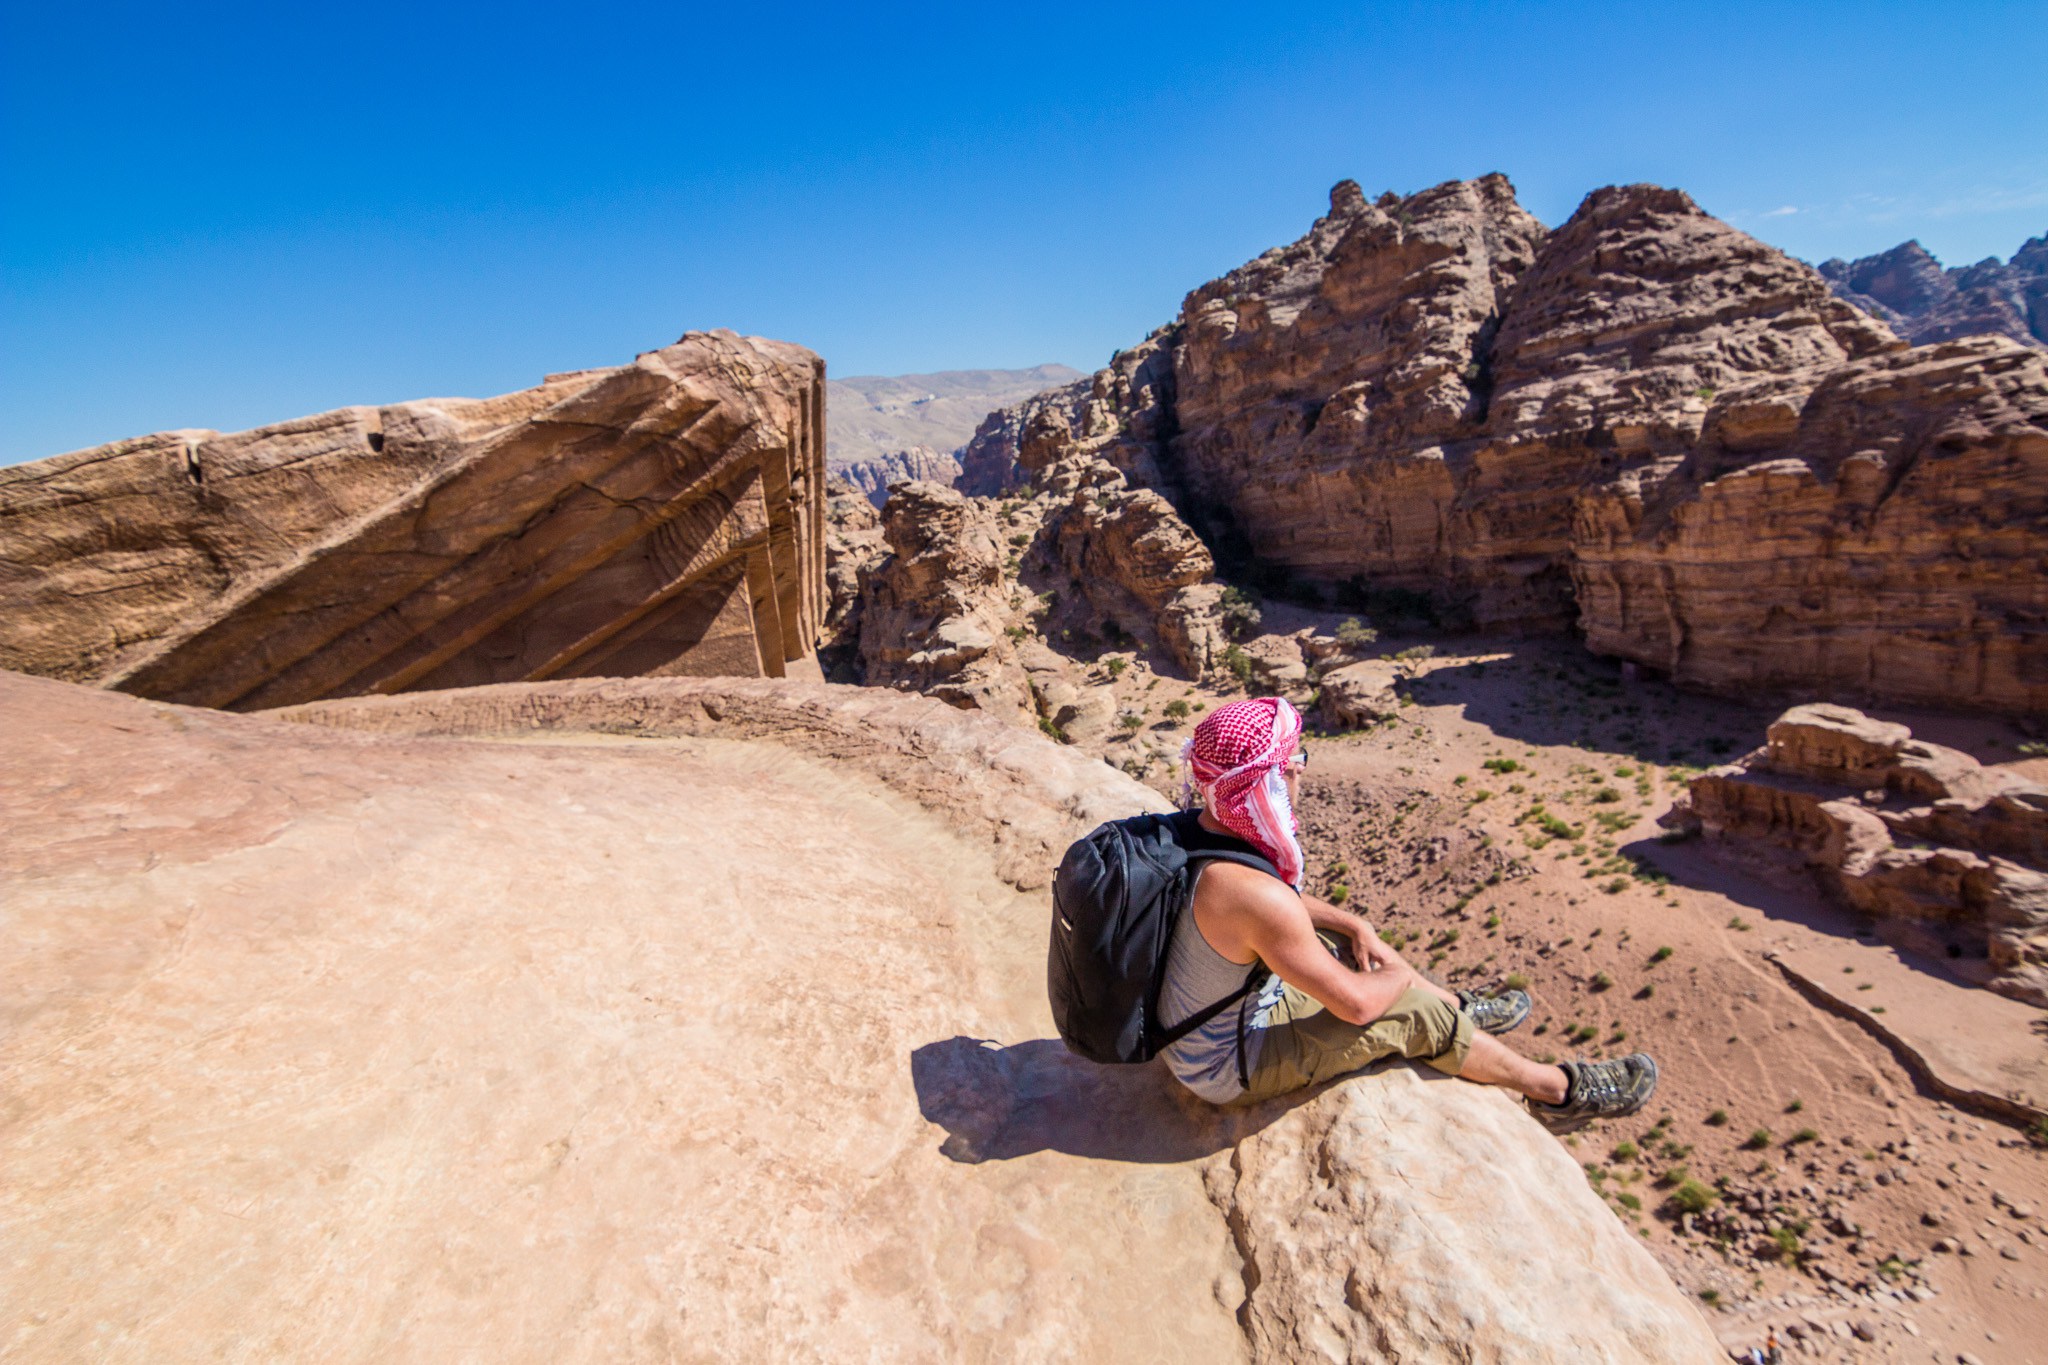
{"points": [[873, 475], [1924, 838], [544, 1081], [1875, 529], [1644, 425], [662, 517], [1909, 289]]}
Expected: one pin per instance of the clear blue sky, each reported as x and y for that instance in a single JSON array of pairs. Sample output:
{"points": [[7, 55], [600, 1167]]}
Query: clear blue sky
{"points": [[222, 216]]}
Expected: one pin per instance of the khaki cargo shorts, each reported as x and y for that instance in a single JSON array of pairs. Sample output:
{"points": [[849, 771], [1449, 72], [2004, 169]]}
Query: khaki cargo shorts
{"points": [[1304, 1044]]}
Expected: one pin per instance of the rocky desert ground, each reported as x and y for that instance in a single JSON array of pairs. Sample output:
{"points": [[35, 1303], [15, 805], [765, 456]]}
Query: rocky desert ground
{"points": [[564, 875]]}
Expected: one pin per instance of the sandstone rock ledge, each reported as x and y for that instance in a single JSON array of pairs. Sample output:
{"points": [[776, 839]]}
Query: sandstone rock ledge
{"points": [[374, 1044], [1948, 855], [662, 517]]}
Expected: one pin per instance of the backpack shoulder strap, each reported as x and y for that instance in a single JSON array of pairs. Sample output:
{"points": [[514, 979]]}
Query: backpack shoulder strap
{"points": [[1244, 855], [1231, 855]]}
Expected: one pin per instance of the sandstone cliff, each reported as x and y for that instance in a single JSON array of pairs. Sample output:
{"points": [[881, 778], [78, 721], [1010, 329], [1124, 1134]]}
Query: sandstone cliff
{"points": [[544, 1080], [1874, 529], [662, 517], [1922, 302], [873, 474], [1950, 855], [1596, 428]]}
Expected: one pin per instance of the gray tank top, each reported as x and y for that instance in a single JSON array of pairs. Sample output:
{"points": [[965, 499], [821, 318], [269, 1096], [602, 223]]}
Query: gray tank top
{"points": [[1197, 975]]}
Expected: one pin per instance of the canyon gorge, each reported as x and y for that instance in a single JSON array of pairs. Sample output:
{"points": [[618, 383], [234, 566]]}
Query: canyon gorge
{"points": [[572, 866]]}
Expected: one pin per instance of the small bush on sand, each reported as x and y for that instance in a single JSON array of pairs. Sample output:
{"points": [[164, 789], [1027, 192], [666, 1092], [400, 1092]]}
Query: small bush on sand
{"points": [[1353, 633], [1176, 710], [1693, 1197], [1241, 613]]}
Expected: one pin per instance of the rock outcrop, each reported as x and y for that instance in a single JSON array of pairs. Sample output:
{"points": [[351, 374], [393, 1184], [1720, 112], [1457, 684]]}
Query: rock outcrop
{"points": [[1128, 568], [662, 517], [1909, 289], [1870, 530], [678, 1018], [1597, 428], [1951, 855], [934, 611], [873, 475]]}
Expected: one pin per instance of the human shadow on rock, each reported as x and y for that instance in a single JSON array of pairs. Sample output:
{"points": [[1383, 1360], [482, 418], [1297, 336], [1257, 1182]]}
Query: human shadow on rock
{"points": [[998, 1102]]}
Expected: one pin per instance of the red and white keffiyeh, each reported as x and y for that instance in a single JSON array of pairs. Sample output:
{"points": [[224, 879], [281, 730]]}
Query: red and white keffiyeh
{"points": [[1238, 759]]}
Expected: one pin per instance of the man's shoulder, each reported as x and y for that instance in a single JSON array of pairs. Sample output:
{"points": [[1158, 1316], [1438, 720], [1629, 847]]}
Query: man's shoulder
{"points": [[1238, 886]]}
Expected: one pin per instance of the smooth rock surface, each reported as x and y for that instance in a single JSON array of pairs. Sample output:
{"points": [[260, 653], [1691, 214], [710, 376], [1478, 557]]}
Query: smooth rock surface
{"points": [[341, 1047], [1342, 1207], [651, 1019]]}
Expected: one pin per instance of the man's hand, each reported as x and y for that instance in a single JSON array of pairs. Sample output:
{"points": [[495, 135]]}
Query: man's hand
{"points": [[1375, 953], [1365, 944]]}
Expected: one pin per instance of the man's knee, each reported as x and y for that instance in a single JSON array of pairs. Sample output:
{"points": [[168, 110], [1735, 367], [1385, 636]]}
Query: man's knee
{"points": [[1425, 1028]]}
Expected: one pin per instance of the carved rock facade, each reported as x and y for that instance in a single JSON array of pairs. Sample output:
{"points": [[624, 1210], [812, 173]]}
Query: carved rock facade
{"points": [[664, 517]]}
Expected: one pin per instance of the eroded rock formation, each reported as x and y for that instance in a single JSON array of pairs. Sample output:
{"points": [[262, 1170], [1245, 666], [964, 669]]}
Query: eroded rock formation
{"points": [[1924, 838], [1874, 529], [934, 611], [662, 517], [679, 1017], [1644, 424], [1908, 289], [873, 475]]}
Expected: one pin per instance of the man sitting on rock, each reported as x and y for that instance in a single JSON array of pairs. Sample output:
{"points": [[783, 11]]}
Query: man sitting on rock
{"points": [[1321, 1016]]}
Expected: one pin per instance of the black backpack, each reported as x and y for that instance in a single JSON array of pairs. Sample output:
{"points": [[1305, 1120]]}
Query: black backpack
{"points": [[1116, 899]]}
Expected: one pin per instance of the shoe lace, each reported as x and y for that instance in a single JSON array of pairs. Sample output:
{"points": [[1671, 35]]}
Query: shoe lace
{"points": [[1600, 1084]]}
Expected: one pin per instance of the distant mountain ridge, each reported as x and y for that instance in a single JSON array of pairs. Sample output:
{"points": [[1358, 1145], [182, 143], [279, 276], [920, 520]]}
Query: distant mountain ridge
{"points": [[1909, 289], [881, 428]]}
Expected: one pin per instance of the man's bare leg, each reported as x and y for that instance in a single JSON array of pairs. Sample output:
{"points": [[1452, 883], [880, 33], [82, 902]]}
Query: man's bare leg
{"points": [[1492, 1062]]}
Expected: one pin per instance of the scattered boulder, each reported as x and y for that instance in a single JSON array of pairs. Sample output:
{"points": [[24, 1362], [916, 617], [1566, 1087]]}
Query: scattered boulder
{"points": [[1359, 695], [1279, 668]]}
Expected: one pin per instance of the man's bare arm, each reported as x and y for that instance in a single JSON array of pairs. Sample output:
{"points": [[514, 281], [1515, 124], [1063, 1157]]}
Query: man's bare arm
{"points": [[1280, 927], [1372, 952]]}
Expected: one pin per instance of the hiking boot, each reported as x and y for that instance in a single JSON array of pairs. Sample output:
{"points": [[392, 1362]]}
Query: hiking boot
{"points": [[1495, 1013], [1599, 1090]]}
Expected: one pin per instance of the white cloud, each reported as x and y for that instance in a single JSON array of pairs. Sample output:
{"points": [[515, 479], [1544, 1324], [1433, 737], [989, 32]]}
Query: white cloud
{"points": [[1783, 212]]}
